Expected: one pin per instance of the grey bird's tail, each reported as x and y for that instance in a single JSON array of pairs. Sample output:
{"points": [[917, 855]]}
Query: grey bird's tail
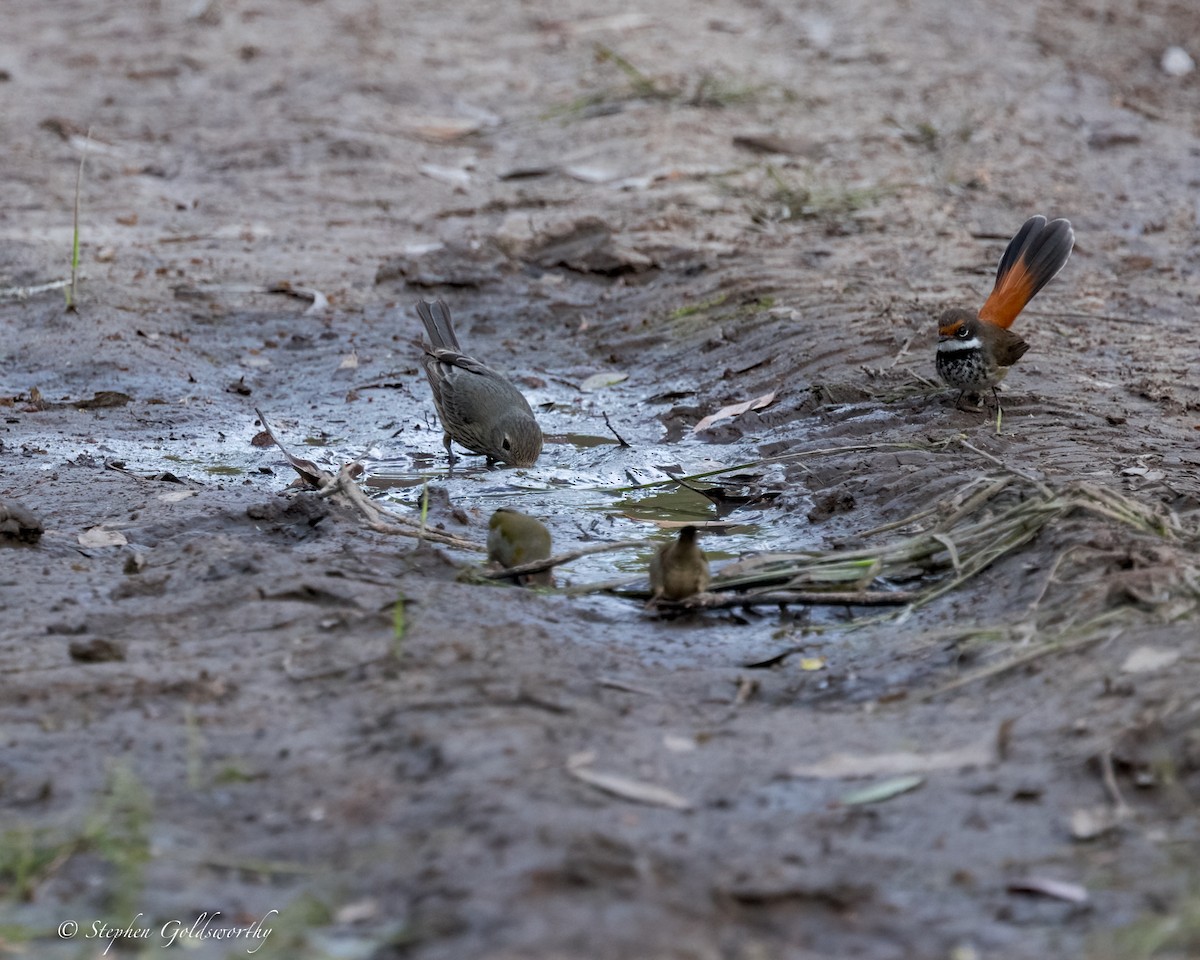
{"points": [[438, 326]]}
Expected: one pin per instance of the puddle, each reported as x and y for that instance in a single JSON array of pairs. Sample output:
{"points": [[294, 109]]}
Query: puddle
{"points": [[593, 492]]}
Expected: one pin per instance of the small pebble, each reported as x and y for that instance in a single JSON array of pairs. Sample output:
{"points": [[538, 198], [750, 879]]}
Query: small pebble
{"points": [[1177, 62]]}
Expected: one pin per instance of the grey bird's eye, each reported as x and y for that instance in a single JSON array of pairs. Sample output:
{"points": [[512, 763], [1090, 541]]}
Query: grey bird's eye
{"points": [[506, 443], [963, 333]]}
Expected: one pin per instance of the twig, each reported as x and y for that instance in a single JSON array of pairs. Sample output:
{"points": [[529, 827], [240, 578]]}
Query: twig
{"points": [[611, 429], [897, 524], [548, 563], [782, 458], [903, 350], [24, 293], [617, 684], [602, 586], [346, 484], [972, 503], [1004, 466], [309, 472], [727, 599], [1041, 594], [424, 510], [983, 453], [1110, 784], [1035, 653], [384, 521], [70, 288]]}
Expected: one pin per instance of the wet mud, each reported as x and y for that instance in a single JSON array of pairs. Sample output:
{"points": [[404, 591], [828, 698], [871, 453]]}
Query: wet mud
{"points": [[223, 693]]}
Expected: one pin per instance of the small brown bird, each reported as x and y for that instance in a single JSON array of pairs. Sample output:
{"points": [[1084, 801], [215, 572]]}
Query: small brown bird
{"points": [[515, 538], [975, 351], [679, 569], [478, 407]]}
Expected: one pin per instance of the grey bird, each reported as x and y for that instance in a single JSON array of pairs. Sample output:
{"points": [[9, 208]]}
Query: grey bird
{"points": [[478, 407], [679, 569]]}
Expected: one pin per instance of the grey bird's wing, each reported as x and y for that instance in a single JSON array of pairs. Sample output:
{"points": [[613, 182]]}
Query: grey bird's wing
{"points": [[455, 359]]}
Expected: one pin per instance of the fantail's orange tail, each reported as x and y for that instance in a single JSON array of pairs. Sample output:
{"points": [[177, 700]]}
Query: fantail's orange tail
{"points": [[1033, 258]]}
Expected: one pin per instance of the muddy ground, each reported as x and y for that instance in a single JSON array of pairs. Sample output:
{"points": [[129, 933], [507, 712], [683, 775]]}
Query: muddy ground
{"points": [[209, 704]]}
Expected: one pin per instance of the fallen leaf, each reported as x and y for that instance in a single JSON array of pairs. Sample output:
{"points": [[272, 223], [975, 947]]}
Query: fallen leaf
{"points": [[1088, 823], [309, 472], [735, 410], [598, 24], [1046, 887], [592, 173], [349, 362], [454, 176], [319, 301], [1149, 659], [774, 143], [357, 911], [598, 381], [96, 650], [628, 789], [812, 663], [102, 399], [848, 766], [442, 129], [176, 495], [879, 792], [102, 536]]}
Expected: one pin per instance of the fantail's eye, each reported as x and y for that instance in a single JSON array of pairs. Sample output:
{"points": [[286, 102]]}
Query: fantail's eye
{"points": [[506, 443], [963, 333]]}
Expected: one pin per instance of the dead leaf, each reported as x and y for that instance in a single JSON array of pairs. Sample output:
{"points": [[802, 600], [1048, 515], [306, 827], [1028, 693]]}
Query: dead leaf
{"points": [[735, 410], [454, 176], [176, 495], [848, 766], [592, 173], [598, 381], [746, 688], [624, 787], [319, 300], [96, 650], [309, 472], [1088, 823], [102, 536], [357, 911], [774, 143], [1149, 659], [1046, 887], [584, 244], [877, 793], [442, 129], [103, 398]]}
